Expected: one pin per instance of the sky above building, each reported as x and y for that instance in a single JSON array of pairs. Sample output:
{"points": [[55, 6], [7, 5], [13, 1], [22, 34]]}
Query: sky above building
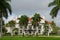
{"points": [[30, 7]]}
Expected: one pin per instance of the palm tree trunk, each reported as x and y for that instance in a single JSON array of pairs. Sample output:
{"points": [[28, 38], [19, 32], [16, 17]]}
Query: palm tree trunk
{"points": [[0, 27], [1, 24], [50, 30]]}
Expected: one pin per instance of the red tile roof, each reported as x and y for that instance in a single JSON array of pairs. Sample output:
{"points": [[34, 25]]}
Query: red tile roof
{"points": [[48, 22], [30, 19]]}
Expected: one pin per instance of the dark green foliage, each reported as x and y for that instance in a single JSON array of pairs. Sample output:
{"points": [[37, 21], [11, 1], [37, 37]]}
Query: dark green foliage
{"points": [[23, 20], [15, 29], [12, 23], [54, 26], [55, 10], [4, 8], [36, 19], [4, 30]]}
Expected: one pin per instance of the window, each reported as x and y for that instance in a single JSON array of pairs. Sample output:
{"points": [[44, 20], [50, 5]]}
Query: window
{"points": [[39, 31], [20, 31]]}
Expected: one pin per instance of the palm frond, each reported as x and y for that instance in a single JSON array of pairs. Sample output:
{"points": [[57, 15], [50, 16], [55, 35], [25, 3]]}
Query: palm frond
{"points": [[5, 13], [51, 4], [5, 7], [8, 0], [54, 12], [9, 8]]}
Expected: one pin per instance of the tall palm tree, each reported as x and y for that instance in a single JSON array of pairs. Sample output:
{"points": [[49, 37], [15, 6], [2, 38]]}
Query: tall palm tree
{"points": [[23, 20], [36, 19], [4, 8], [46, 27], [54, 11]]}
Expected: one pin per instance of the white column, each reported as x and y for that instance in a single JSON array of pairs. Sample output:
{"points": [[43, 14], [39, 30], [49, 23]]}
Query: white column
{"points": [[32, 29], [42, 29], [11, 31], [36, 31], [23, 30], [49, 30], [27, 29], [19, 31]]}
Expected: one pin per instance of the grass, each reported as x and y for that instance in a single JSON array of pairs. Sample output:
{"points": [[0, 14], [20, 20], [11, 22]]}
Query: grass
{"points": [[29, 38]]}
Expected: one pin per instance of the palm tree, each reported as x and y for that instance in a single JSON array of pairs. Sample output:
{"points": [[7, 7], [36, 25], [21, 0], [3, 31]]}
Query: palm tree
{"points": [[54, 11], [46, 27], [4, 8], [11, 24], [36, 19], [23, 21]]}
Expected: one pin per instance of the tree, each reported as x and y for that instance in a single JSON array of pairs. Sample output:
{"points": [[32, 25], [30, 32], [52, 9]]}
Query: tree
{"points": [[36, 19], [54, 11], [11, 24], [16, 31], [55, 28], [4, 8], [23, 20], [46, 27]]}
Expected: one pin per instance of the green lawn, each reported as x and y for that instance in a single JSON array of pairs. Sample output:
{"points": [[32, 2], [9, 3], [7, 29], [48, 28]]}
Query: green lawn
{"points": [[29, 38]]}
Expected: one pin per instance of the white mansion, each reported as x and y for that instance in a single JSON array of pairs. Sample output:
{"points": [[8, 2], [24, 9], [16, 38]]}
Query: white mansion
{"points": [[30, 30]]}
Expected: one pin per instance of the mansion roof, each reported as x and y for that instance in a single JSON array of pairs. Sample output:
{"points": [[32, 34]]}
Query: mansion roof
{"points": [[30, 19]]}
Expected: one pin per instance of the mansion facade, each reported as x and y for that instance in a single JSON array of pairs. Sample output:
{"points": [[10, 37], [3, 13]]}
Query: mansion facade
{"points": [[30, 29]]}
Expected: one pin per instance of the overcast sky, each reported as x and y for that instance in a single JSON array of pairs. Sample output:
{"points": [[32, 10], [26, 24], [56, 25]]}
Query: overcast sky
{"points": [[30, 7]]}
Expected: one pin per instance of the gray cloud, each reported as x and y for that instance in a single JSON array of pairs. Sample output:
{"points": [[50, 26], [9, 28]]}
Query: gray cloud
{"points": [[29, 7], [30, 4]]}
